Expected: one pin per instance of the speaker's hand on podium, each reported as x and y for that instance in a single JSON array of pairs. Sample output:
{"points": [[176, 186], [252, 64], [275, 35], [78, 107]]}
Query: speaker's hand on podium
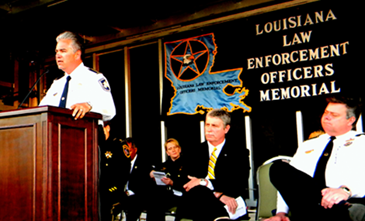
{"points": [[80, 109]]}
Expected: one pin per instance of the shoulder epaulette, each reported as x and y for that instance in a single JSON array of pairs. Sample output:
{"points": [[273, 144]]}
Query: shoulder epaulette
{"points": [[95, 71], [358, 135]]}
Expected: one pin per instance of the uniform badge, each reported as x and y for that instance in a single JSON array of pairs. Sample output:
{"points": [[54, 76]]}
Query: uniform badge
{"points": [[108, 154], [104, 84], [349, 142]]}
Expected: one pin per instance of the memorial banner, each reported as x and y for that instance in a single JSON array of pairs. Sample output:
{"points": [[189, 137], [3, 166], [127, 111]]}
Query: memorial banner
{"points": [[188, 67], [289, 58]]}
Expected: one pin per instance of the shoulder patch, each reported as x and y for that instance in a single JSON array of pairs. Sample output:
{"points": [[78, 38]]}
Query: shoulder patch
{"points": [[104, 84], [126, 151], [95, 71]]}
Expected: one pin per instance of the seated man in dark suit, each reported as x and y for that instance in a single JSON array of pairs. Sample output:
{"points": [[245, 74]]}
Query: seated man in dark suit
{"points": [[218, 174], [139, 191]]}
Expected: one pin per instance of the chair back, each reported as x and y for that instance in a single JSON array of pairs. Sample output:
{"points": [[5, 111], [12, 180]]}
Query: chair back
{"points": [[267, 197]]}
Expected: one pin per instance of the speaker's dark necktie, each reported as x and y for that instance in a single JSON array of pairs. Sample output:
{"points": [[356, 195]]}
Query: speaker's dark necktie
{"points": [[64, 94], [319, 174]]}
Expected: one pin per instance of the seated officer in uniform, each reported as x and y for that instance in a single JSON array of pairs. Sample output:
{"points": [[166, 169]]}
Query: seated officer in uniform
{"points": [[326, 174], [112, 159], [175, 178]]}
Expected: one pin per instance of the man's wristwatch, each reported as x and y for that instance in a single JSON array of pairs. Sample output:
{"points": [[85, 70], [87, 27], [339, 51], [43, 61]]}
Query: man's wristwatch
{"points": [[203, 182], [347, 190]]}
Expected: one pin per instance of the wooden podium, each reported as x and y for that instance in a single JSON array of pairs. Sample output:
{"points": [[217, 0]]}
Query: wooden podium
{"points": [[48, 165]]}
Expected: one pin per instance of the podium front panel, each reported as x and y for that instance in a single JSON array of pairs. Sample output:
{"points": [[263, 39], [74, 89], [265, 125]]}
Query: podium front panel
{"points": [[48, 165]]}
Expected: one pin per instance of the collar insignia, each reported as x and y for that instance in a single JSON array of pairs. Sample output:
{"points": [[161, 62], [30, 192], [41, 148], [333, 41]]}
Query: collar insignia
{"points": [[349, 142], [309, 151]]}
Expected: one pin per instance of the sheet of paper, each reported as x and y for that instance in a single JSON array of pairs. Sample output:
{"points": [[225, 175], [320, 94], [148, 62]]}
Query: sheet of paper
{"points": [[177, 193], [158, 176], [240, 211]]}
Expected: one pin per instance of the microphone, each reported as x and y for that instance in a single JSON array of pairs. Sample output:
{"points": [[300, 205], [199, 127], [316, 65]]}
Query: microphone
{"points": [[30, 91]]}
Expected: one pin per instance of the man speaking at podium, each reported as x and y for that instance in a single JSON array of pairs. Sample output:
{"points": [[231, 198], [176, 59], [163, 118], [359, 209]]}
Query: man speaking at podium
{"points": [[81, 89]]}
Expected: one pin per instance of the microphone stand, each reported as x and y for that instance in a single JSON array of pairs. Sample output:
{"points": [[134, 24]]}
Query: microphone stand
{"points": [[33, 88]]}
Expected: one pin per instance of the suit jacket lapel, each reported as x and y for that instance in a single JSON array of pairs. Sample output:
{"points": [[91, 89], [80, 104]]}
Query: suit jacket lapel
{"points": [[221, 158]]}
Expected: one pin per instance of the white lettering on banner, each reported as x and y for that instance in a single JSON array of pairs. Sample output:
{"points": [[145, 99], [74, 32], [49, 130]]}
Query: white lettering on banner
{"points": [[298, 56], [205, 86], [294, 22], [297, 74], [298, 91], [302, 73], [305, 36]]}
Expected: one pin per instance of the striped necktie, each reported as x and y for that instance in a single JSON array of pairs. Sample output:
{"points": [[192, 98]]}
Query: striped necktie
{"points": [[212, 161]]}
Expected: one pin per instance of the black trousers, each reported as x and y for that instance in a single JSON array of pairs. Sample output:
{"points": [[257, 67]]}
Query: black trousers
{"points": [[303, 194], [134, 205], [107, 199], [200, 204]]}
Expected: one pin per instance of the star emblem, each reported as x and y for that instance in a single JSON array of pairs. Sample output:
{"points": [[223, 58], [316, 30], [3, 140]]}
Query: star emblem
{"points": [[108, 154], [191, 57]]}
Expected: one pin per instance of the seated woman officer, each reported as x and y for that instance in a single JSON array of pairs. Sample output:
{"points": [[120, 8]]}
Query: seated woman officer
{"points": [[175, 177]]}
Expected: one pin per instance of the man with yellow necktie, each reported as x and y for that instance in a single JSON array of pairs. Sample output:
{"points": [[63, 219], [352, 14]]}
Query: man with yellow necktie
{"points": [[218, 172]]}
